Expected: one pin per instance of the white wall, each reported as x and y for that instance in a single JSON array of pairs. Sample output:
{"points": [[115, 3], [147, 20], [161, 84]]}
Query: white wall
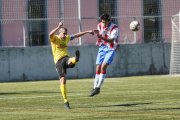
{"points": [[36, 63]]}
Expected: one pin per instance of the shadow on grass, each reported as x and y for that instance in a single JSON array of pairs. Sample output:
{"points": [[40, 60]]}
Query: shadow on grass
{"points": [[161, 109], [127, 105], [137, 104]]}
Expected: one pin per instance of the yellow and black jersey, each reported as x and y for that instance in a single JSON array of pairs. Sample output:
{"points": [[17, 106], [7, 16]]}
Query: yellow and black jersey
{"points": [[60, 47]]}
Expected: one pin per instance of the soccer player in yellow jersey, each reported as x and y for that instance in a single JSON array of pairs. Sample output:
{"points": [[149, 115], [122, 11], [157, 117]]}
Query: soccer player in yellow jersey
{"points": [[59, 44]]}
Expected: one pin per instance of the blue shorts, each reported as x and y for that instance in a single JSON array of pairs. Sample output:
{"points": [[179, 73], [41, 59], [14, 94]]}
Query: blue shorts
{"points": [[105, 55]]}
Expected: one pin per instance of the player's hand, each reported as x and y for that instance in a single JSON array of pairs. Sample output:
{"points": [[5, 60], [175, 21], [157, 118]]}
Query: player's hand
{"points": [[60, 24], [99, 36], [96, 31], [91, 32]]}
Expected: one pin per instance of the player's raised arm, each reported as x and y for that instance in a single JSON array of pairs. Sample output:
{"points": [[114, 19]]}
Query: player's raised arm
{"points": [[83, 33], [51, 34]]}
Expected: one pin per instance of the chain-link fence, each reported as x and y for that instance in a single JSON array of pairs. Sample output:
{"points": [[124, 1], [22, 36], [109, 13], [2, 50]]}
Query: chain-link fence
{"points": [[28, 22]]}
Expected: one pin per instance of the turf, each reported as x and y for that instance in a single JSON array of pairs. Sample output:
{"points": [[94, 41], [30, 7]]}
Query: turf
{"points": [[124, 98]]}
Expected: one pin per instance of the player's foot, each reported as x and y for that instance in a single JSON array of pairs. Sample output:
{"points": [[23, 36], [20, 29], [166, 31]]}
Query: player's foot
{"points": [[95, 91], [77, 53], [66, 105], [92, 90]]}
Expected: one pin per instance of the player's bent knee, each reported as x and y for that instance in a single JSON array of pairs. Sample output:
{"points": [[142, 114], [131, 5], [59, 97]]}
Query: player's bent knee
{"points": [[72, 60]]}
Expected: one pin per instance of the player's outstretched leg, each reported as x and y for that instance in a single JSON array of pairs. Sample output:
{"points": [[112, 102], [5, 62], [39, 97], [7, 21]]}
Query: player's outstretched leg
{"points": [[95, 91], [77, 53]]}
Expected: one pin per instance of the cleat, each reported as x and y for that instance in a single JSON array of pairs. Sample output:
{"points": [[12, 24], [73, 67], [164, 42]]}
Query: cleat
{"points": [[66, 105], [77, 53], [95, 91], [91, 92]]}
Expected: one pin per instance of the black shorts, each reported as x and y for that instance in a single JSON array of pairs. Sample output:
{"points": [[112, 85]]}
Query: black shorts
{"points": [[62, 65]]}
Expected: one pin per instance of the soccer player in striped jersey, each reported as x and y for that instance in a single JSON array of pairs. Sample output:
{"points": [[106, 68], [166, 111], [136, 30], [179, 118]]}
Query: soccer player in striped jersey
{"points": [[59, 45], [107, 33]]}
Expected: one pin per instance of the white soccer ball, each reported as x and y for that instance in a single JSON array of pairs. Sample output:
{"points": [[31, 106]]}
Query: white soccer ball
{"points": [[134, 25]]}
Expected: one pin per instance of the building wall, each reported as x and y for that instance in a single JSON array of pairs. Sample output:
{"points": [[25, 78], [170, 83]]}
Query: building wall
{"points": [[36, 63], [12, 31], [53, 10], [13, 35], [134, 9], [169, 7]]}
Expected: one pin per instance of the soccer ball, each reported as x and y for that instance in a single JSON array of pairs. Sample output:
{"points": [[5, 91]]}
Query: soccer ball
{"points": [[134, 25]]}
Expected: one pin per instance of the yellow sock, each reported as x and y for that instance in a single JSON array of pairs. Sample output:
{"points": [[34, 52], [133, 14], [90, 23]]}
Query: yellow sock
{"points": [[63, 92], [72, 60]]}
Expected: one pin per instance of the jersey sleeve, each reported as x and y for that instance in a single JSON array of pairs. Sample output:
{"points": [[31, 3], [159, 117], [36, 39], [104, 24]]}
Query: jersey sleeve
{"points": [[53, 38], [114, 33], [98, 26], [72, 37]]}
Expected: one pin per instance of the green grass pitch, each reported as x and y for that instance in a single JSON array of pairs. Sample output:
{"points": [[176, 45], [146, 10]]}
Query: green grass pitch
{"points": [[124, 98]]}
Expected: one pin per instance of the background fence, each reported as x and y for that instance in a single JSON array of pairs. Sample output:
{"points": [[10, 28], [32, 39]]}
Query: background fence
{"points": [[28, 22]]}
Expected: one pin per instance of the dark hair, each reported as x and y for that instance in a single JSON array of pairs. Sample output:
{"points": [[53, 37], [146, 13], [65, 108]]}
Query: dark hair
{"points": [[105, 16]]}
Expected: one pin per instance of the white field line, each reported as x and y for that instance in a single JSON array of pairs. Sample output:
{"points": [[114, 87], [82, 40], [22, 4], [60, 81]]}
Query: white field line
{"points": [[82, 95], [19, 97], [32, 97]]}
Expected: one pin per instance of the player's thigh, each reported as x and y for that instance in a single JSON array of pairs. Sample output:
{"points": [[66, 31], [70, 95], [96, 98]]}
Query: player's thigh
{"points": [[61, 67], [109, 57], [100, 57], [101, 54]]}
